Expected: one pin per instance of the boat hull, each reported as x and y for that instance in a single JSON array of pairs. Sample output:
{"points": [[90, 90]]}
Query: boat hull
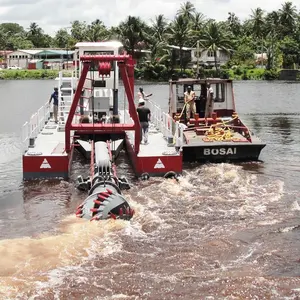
{"points": [[222, 153]]}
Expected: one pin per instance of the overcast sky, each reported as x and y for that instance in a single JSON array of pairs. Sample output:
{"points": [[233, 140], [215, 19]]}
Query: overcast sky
{"points": [[54, 14]]}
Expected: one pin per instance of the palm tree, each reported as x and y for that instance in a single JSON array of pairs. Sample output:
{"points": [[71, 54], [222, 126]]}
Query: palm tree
{"points": [[179, 34], [288, 15], [258, 26], [159, 27], [197, 21], [97, 31], [215, 38], [132, 33], [234, 23], [186, 10], [35, 35], [258, 22]]}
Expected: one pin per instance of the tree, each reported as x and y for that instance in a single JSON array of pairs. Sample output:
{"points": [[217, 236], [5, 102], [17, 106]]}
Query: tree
{"points": [[186, 10], [97, 31], [159, 27], [62, 38], [79, 31], [132, 33], [234, 24], [288, 15], [36, 36], [179, 34], [215, 38]]}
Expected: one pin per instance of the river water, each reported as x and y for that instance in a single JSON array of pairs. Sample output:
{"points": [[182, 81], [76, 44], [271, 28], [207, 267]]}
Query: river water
{"points": [[224, 231]]}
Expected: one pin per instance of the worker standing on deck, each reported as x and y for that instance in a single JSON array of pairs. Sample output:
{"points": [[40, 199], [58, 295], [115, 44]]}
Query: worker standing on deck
{"points": [[189, 100], [141, 94], [144, 114], [209, 102], [54, 96]]}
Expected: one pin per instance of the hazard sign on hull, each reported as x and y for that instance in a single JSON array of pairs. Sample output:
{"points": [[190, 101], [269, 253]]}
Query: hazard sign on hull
{"points": [[159, 164], [45, 164]]}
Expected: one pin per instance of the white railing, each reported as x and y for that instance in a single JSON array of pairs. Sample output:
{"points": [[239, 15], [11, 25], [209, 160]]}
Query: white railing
{"points": [[170, 128], [35, 124]]}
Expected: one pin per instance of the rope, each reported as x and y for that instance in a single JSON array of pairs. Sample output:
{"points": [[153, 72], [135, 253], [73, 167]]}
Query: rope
{"points": [[179, 117], [220, 131]]}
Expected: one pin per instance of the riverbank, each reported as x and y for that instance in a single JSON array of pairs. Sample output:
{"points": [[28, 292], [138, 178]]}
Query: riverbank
{"points": [[237, 73], [30, 74]]}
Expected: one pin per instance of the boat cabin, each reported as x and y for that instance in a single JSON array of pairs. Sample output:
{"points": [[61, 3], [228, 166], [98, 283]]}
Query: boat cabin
{"points": [[222, 100], [101, 90]]}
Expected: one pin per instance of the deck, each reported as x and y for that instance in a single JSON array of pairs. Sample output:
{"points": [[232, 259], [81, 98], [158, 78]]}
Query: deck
{"points": [[198, 140], [49, 142]]}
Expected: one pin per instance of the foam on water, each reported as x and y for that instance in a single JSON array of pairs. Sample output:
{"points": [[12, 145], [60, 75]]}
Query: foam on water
{"points": [[190, 225]]}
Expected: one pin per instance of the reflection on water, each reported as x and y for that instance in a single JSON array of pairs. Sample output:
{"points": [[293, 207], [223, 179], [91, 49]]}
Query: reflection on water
{"points": [[224, 231]]}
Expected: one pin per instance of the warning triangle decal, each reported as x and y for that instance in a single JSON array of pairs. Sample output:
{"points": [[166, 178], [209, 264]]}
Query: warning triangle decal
{"points": [[45, 164], [159, 165]]}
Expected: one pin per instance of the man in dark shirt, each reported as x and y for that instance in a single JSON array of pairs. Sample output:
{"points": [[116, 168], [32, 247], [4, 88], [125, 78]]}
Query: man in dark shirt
{"points": [[54, 96], [144, 117]]}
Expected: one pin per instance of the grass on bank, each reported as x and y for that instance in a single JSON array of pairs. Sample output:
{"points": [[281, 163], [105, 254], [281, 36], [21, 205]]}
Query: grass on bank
{"points": [[238, 73], [31, 74]]}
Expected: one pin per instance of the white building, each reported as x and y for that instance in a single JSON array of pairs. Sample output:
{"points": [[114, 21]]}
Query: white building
{"points": [[207, 57], [20, 58]]}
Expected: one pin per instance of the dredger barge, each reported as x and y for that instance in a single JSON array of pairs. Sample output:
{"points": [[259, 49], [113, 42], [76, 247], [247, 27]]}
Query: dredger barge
{"points": [[92, 121]]}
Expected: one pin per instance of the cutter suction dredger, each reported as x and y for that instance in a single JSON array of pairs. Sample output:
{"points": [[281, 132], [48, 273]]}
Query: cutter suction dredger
{"points": [[105, 199], [91, 109]]}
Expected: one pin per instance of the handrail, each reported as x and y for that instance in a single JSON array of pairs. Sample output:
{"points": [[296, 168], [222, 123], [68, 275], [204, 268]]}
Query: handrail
{"points": [[31, 128], [166, 124]]}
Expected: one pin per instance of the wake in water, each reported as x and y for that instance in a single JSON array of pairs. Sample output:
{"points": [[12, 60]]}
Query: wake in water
{"points": [[212, 235]]}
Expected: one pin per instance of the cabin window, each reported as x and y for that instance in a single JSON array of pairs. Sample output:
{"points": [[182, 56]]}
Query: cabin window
{"points": [[219, 92], [210, 53]]}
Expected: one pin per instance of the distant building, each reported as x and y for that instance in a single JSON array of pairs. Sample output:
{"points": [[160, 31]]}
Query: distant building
{"points": [[21, 58], [41, 58], [3, 58], [207, 57]]}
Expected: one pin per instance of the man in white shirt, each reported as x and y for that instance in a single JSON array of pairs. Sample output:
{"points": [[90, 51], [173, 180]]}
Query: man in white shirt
{"points": [[142, 95], [189, 100], [209, 102]]}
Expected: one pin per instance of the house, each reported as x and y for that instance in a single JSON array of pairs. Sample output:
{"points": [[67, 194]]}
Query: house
{"points": [[3, 58], [21, 58], [56, 58], [207, 57], [41, 58]]}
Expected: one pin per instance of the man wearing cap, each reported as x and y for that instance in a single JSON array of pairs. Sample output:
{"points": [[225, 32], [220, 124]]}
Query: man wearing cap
{"points": [[54, 96], [144, 114], [189, 100]]}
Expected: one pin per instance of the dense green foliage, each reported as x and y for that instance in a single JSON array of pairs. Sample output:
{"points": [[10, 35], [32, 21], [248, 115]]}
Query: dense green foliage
{"points": [[276, 33]]}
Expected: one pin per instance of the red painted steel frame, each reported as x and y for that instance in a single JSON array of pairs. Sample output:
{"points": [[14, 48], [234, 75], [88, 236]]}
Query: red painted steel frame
{"points": [[126, 65]]}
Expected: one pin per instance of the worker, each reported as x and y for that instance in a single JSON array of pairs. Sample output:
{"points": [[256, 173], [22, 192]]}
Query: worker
{"points": [[209, 102], [54, 96], [189, 100], [141, 94], [144, 114]]}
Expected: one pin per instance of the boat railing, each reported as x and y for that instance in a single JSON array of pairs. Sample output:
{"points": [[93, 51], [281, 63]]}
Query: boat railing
{"points": [[31, 128], [171, 129]]}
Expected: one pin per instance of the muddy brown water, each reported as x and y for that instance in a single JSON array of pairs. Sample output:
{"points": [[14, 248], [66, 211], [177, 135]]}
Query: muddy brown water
{"points": [[224, 231]]}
